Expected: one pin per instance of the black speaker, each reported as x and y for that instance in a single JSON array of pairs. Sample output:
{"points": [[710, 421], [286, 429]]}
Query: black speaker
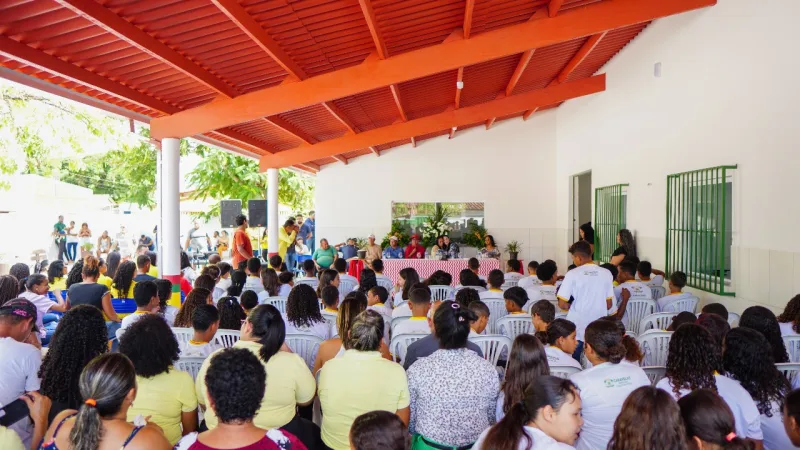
{"points": [[228, 210], [257, 210]]}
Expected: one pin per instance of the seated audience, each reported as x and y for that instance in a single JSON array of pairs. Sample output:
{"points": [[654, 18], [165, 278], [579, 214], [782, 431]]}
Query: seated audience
{"points": [[528, 361], [439, 278], [420, 302], [377, 267], [496, 280], [664, 424], [56, 275], [435, 254], [276, 263], [143, 264], [290, 382], [682, 318], [367, 281], [187, 272], [393, 251], [376, 301], [471, 388], [286, 280], [323, 256], [748, 360], [677, 281], [164, 296], [379, 430], [328, 277], [235, 382], [269, 283], [414, 249], [404, 309], [359, 381], [430, 343], [605, 385], [628, 289], [348, 249], [531, 280], [608, 266], [474, 265], [108, 388], [791, 416], [407, 278], [515, 300], [763, 320], [561, 343], [695, 362], [716, 308], [75, 274], [547, 417], [490, 249], [198, 296], [90, 292], [709, 422], [145, 294], [236, 283], [649, 276], [633, 353], [224, 281], [716, 325], [465, 297], [36, 293], [303, 315], [542, 313], [81, 336], [231, 313], [38, 410], [164, 394], [308, 275], [482, 315], [547, 274], [468, 278], [513, 268], [301, 249], [207, 282], [330, 300], [789, 320], [205, 323], [254, 283], [248, 300]]}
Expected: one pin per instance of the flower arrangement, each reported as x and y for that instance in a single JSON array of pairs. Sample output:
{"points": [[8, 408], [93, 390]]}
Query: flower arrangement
{"points": [[475, 236], [432, 230], [399, 231]]}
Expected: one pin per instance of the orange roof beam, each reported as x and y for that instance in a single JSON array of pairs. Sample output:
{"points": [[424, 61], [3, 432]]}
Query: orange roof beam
{"points": [[437, 122], [339, 115], [375, 74], [259, 35], [553, 7], [372, 24], [291, 130], [470, 8]]}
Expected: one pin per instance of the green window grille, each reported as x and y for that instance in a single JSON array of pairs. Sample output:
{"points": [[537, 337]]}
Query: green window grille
{"points": [[610, 212], [699, 227]]}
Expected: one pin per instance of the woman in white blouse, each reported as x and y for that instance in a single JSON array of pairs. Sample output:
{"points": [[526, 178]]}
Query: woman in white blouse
{"points": [[551, 413]]}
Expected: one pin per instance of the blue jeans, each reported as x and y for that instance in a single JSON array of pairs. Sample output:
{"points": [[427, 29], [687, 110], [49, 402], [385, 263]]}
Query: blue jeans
{"points": [[291, 261], [50, 322], [72, 250], [578, 351]]}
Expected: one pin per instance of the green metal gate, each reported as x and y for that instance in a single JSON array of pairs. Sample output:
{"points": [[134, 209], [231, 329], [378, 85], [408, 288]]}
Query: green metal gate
{"points": [[610, 212], [699, 227]]}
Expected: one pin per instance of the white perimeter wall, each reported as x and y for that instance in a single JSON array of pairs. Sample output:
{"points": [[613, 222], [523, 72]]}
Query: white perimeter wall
{"points": [[510, 168]]}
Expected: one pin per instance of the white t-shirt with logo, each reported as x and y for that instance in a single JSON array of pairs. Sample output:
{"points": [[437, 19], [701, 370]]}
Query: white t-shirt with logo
{"points": [[665, 300], [541, 441], [541, 292], [201, 349], [529, 282], [558, 357], [414, 325], [604, 388], [745, 412], [590, 285], [513, 276], [654, 281], [638, 290], [775, 437]]}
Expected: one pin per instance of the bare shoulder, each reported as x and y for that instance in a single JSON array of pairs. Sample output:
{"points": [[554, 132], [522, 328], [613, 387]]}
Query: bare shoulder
{"points": [[56, 421], [149, 438]]}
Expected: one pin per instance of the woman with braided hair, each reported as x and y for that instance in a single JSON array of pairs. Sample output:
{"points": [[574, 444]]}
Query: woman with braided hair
{"points": [[303, 314], [789, 320], [231, 313]]}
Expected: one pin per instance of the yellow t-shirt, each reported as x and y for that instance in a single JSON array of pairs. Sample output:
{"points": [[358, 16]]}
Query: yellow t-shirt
{"points": [[289, 382], [356, 383], [116, 294], [153, 272], [165, 396], [9, 440], [106, 281], [58, 284]]}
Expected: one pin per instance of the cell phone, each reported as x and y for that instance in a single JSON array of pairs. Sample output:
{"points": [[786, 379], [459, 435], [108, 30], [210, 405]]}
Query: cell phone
{"points": [[13, 412]]}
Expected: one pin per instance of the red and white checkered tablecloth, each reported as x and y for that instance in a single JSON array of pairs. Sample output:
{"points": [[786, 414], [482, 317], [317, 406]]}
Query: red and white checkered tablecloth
{"points": [[426, 267]]}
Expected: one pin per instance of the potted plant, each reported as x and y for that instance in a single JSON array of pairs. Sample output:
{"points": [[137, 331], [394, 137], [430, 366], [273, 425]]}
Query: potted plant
{"points": [[475, 236], [512, 248], [361, 245]]}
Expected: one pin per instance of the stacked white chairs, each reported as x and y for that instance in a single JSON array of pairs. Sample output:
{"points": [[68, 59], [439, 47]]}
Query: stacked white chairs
{"points": [[305, 345], [399, 345], [655, 346], [792, 343], [226, 338], [277, 302], [733, 319], [492, 346], [658, 292], [563, 371], [684, 304], [313, 283], [190, 365], [441, 293], [514, 325], [638, 310], [508, 284], [631, 334], [497, 309], [655, 373], [657, 321], [346, 287], [397, 320], [478, 289], [183, 335], [790, 371]]}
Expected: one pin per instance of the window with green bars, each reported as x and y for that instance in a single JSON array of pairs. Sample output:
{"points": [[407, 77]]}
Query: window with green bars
{"points": [[699, 227], [610, 214]]}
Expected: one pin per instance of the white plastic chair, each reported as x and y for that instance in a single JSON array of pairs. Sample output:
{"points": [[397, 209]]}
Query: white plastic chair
{"points": [[399, 345], [386, 284], [655, 346], [497, 309], [655, 373], [563, 371], [683, 304], [397, 320], [278, 302], [631, 334], [305, 345], [346, 287], [733, 319], [441, 293], [657, 321], [492, 346], [478, 289], [183, 335], [190, 365], [560, 315], [513, 326], [313, 283], [226, 338], [509, 284], [792, 344], [789, 370], [658, 292], [637, 310], [331, 319]]}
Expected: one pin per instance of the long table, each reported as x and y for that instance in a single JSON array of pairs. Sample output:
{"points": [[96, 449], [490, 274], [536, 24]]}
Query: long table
{"points": [[426, 267]]}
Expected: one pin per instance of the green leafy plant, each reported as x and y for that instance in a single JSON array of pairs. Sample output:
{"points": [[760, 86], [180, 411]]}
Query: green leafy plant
{"points": [[513, 247], [475, 236], [397, 230], [361, 243]]}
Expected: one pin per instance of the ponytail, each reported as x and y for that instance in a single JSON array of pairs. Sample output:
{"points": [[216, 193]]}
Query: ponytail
{"points": [[268, 329], [34, 280], [91, 267], [508, 433], [709, 418]]}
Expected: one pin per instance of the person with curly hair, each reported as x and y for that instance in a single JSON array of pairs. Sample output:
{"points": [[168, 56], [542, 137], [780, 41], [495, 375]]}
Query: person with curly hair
{"points": [[197, 296], [379, 429], [716, 325], [290, 381], [709, 422], [108, 389], [81, 336], [748, 360], [627, 247], [231, 313], [466, 296], [528, 361], [548, 417], [163, 393], [695, 362], [74, 275], [303, 315], [122, 283], [763, 320], [657, 409], [605, 385], [367, 281], [235, 382], [789, 320]]}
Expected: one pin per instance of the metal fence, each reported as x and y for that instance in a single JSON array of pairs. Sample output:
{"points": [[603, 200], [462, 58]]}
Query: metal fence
{"points": [[699, 227], [610, 212]]}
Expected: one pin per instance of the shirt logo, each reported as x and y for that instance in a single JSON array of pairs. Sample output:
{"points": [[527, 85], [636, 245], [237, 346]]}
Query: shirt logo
{"points": [[617, 382]]}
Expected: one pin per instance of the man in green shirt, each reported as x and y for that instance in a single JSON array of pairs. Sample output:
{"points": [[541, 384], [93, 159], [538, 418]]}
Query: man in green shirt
{"points": [[60, 235]]}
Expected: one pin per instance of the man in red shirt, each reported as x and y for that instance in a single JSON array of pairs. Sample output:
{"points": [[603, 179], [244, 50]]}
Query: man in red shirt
{"points": [[242, 249], [414, 250]]}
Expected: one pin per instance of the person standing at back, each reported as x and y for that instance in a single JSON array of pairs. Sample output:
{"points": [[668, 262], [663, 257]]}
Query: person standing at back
{"points": [[307, 231], [591, 287], [242, 248]]}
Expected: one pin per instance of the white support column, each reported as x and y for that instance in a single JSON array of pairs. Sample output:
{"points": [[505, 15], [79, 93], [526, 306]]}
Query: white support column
{"points": [[160, 224], [170, 264], [272, 210]]}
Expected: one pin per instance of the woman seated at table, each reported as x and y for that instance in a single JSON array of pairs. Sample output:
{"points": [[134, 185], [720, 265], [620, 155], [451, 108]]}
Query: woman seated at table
{"points": [[450, 250], [490, 250], [436, 252], [323, 256], [414, 249]]}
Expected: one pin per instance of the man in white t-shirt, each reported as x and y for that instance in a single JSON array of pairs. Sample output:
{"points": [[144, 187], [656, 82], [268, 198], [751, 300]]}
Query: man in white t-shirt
{"points": [[420, 301], [513, 268], [677, 281], [547, 276], [531, 280], [591, 288], [253, 281], [341, 266], [649, 276], [496, 280], [205, 322], [628, 289], [19, 361]]}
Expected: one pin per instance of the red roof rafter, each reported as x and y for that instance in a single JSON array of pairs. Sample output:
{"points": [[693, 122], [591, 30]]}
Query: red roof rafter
{"points": [[372, 23], [290, 129], [553, 7], [399, 103], [351, 127], [468, 18], [437, 122]]}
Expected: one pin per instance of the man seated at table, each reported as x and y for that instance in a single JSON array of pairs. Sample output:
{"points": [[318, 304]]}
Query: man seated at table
{"points": [[414, 249], [393, 251], [373, 250], [349, 249]]}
